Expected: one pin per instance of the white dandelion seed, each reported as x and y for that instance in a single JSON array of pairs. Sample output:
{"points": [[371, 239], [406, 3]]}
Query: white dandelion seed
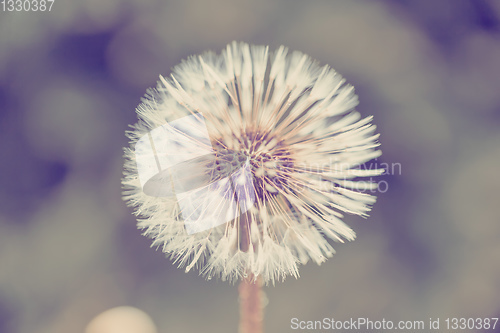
{"points": [[292, 126]]}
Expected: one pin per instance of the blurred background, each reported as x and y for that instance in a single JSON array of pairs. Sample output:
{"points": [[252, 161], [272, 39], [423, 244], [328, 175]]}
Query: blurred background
{"points": [[70, 79]]}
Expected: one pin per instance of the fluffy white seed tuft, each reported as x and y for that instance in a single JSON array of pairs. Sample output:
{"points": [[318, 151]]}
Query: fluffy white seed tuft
{"points": [[291, 123]]}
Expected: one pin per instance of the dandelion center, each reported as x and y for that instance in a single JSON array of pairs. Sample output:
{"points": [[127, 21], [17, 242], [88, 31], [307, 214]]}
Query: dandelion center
{"points": [[270, 162]]}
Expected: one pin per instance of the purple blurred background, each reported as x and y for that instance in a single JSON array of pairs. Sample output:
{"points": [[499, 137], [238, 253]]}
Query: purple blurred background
{"points": [[70, 79]]}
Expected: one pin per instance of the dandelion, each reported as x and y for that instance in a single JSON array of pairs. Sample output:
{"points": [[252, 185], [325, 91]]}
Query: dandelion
{"points": [[283, 149]]}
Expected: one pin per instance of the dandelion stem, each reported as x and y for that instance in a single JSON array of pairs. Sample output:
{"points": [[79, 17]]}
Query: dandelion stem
{"points": [[251, 305]]}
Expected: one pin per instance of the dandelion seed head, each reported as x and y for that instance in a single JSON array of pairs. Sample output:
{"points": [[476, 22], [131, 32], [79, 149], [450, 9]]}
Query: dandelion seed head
{"points": [[290, 125]]}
